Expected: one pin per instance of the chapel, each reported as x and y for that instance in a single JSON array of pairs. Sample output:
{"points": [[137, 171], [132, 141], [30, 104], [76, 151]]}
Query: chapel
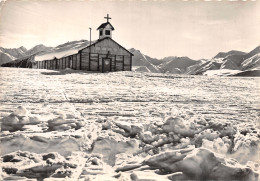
{"points": [[102, 55]]}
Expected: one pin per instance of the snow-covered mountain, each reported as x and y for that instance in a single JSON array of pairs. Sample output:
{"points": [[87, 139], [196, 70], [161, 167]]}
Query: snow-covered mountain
{"points": [[224, 63], [10, 54], [16, 54], [232, 62], [247, 64], [143, 63], [171, 64], [5, 57]]}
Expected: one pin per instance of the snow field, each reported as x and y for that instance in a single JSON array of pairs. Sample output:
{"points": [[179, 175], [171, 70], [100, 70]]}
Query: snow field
{"points": [[126, 116]]}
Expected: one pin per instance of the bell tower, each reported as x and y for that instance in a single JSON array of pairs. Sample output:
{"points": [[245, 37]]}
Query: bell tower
{"points": [[105, 29]]}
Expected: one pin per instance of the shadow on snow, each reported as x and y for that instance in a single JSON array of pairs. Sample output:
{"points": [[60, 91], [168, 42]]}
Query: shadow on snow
{"points": [[68, 71]]}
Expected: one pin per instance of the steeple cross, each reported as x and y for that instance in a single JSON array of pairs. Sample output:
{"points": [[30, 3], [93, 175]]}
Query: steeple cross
{"points": [[107, 18]]}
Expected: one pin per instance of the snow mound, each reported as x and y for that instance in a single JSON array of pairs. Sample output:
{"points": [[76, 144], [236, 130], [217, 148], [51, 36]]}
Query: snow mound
{"points": [[18, 119], [124, 124], [246, 144]]}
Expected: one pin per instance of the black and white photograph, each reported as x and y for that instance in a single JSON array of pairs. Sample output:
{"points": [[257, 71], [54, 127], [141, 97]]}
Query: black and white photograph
{"points": [[129, 90]]}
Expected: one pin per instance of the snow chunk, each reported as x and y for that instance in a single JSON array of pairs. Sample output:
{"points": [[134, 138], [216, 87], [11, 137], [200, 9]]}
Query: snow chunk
{"points": [[147, 137], [20, 111], [217, 145], [208, 134], [130, 130]]}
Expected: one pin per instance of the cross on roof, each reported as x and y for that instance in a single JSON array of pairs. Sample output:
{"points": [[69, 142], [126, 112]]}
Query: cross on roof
{"points": [[107, 17]]}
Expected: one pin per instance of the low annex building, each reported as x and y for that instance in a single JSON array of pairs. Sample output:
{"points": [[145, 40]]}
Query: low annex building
{"points": [[103, 55]]}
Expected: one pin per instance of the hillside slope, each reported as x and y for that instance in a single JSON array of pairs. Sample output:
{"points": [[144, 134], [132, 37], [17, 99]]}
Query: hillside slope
{"points": [[177, 64], [201, 68]]}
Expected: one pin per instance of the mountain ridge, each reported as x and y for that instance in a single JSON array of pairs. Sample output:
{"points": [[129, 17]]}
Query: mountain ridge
{"points": [[231, 60], [8, 55]]}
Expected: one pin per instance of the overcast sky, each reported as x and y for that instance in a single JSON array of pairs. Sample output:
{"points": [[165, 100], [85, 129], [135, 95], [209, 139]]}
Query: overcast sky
{"points": [[196, 29]]}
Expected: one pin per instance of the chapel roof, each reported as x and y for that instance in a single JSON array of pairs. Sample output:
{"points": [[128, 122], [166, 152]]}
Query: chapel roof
{"points": [[104, 25], [70, 48]]}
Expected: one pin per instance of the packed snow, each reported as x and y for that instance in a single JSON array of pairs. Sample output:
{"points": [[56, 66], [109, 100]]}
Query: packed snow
{"points": [[78, 125]]}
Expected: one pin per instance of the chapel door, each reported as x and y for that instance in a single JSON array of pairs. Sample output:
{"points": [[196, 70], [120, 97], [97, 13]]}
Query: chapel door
{"points": [[106, 64]]}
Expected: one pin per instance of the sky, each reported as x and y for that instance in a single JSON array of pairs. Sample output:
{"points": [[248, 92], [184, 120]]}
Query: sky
{"points": [[197, 29]]}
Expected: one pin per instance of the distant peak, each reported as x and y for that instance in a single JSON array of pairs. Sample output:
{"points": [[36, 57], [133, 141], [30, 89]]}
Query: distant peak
{"points": [[133, 50], [23, 48], [232, 52]]}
